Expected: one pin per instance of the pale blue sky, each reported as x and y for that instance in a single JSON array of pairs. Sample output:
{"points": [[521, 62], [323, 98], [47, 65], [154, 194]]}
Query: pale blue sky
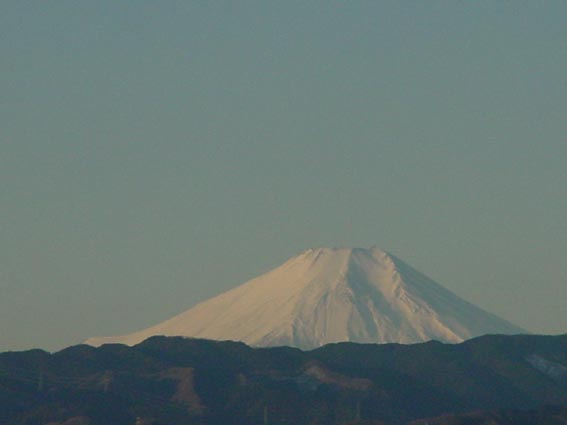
{"points": [[153, 154]]}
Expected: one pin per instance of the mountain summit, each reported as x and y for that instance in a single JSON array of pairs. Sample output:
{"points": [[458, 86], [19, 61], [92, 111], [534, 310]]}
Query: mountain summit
{"points": [[330, 295]]}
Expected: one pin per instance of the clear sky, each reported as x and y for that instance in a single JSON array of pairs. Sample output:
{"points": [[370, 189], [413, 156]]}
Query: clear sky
{"points": [[153, 154]]}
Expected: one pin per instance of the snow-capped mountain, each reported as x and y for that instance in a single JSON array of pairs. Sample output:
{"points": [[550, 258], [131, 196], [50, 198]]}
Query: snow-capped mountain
{"points": [[329, 295]]}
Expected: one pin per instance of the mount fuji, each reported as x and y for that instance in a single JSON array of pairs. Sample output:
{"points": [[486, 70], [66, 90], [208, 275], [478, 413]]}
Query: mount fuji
{"points": [[328, 295]]}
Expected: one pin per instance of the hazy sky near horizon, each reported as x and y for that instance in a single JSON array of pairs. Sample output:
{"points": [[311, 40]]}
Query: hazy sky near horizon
{"points": [[154, 154]]}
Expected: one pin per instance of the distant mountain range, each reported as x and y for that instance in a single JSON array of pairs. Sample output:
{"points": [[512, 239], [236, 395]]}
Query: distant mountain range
{"points": [[495, 380], [329, 295]]}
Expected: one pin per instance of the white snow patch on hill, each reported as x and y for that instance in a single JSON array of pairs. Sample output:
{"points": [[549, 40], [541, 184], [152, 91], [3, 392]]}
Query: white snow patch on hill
{"points": [[330, 295]]}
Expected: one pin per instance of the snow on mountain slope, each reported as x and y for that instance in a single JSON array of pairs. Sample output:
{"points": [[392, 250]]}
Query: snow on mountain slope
{"points": [[329, 295]]}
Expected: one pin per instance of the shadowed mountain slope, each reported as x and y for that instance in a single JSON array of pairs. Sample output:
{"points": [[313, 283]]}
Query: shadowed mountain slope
{"points": [[173, 380]]}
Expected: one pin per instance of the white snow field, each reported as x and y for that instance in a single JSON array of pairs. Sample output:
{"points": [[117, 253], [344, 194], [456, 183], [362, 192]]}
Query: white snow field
{"points": [[330, 295]]}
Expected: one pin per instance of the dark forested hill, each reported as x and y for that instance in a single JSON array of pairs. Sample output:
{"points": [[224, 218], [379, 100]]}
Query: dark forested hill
{"points": [[171, 381]]}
